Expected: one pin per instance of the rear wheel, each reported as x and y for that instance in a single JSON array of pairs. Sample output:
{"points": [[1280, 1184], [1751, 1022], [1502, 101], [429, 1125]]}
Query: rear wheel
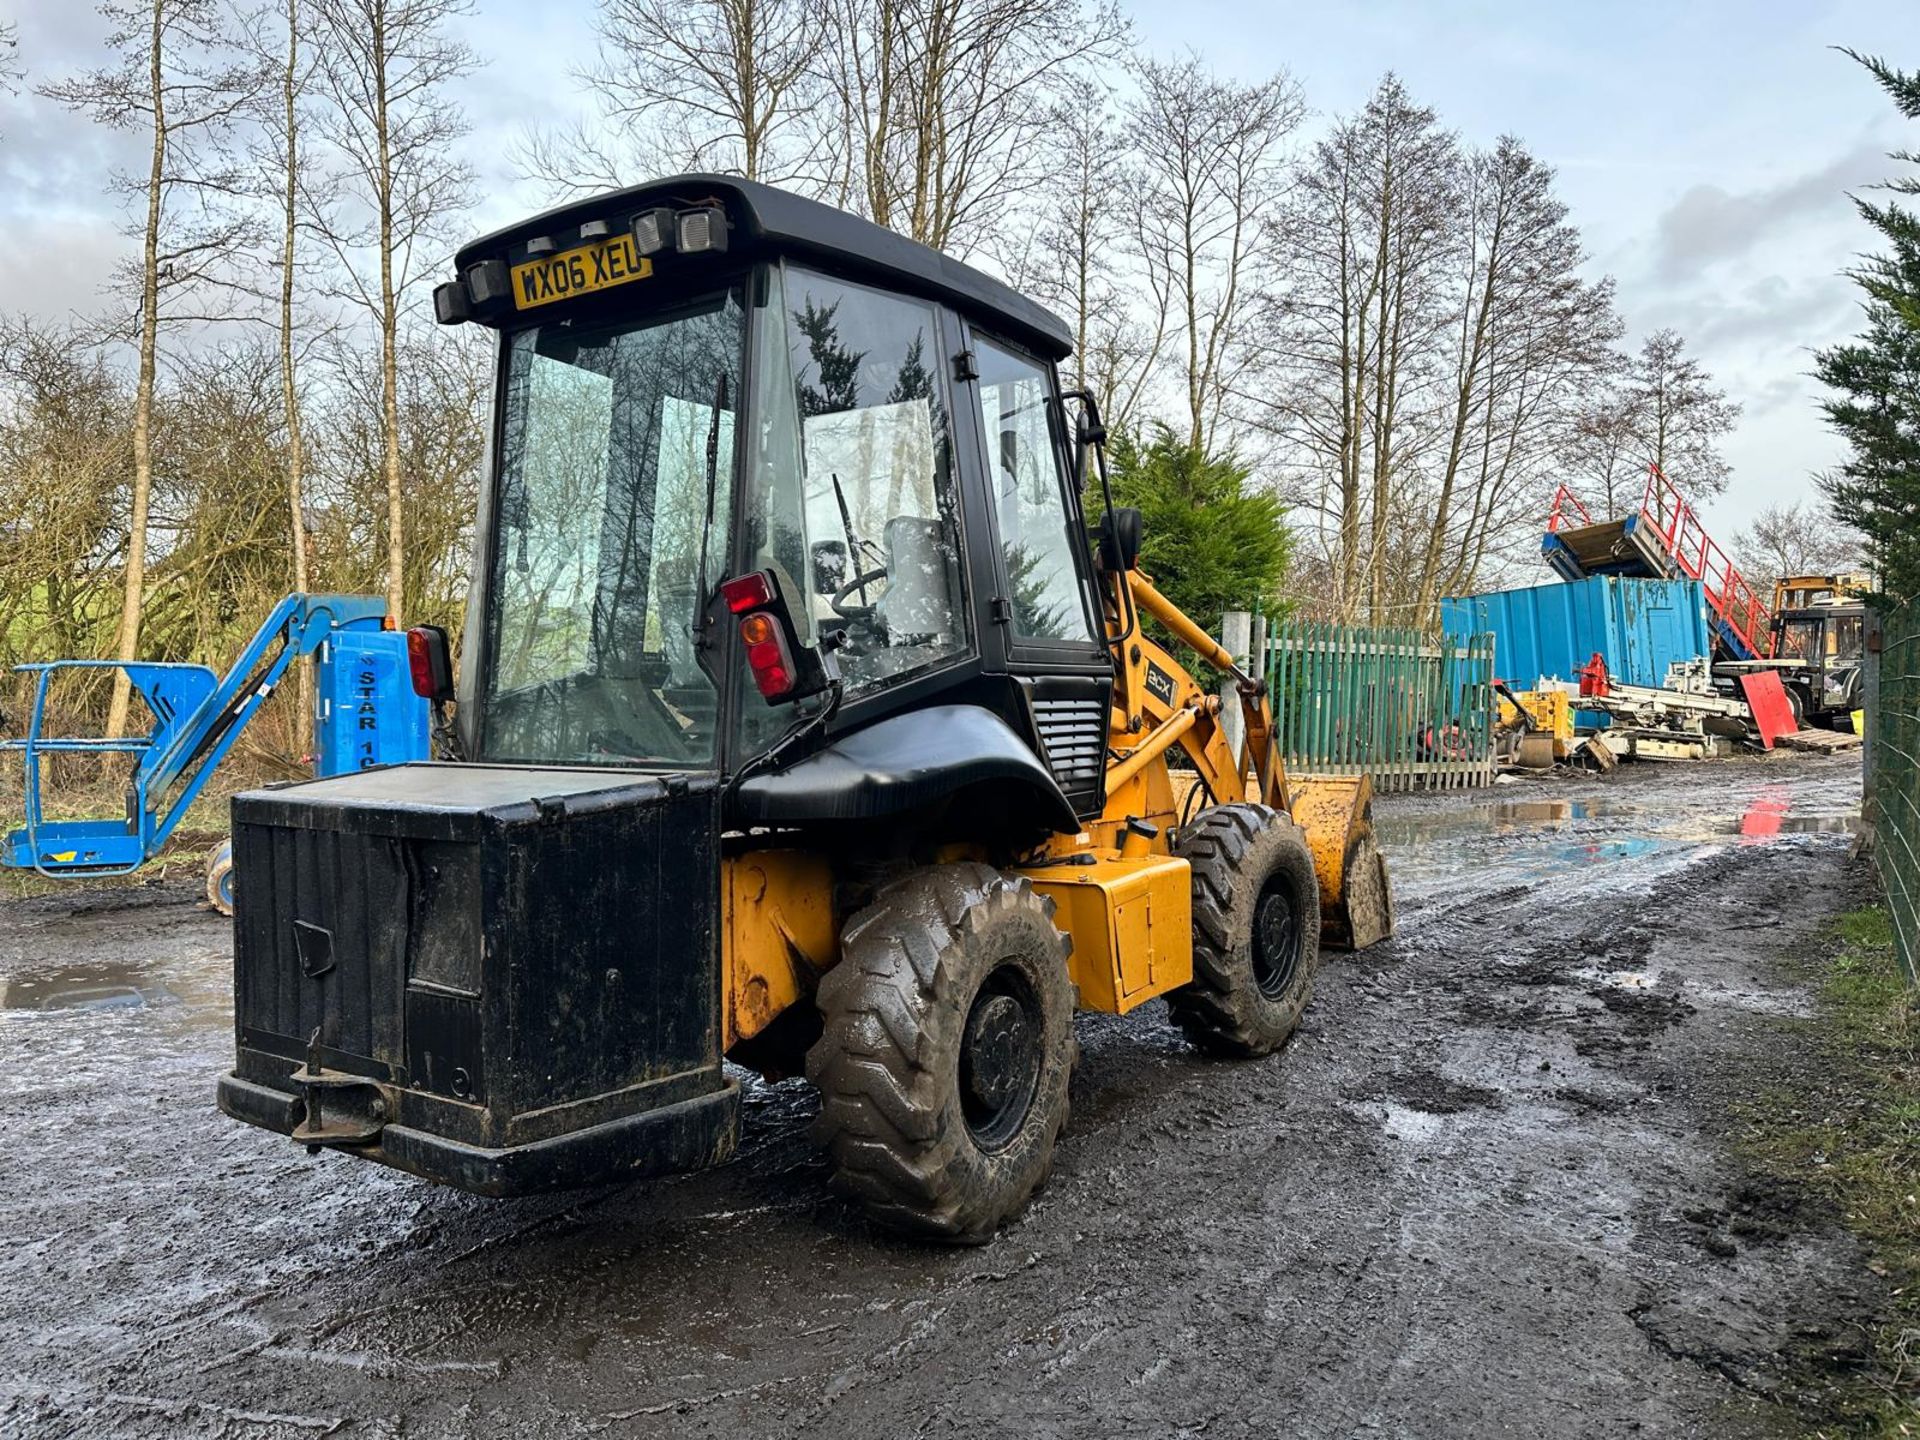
{"points": [[220, 878], [946, 1051], [1256, 930]]}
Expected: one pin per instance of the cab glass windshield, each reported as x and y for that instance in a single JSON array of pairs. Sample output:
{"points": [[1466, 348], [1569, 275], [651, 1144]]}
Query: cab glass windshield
{"points": [[609, 528], [1800, 640]]}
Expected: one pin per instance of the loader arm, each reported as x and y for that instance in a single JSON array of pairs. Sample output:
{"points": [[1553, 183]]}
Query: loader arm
{"points": [[1256, 775], [1158, 704]]}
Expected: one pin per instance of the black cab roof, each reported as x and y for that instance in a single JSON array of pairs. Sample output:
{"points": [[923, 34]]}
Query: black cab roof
{"points": [[766, 218]]}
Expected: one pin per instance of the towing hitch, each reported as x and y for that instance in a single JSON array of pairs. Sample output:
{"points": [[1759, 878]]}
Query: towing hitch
{"points": [[339, 1109]]}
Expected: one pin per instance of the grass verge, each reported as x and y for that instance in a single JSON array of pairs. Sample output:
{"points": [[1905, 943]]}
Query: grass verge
{"points": [[1850, 1133]]}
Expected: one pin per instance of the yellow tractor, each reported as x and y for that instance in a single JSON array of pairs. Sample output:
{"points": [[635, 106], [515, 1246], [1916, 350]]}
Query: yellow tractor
{"points": [[805, 723]]}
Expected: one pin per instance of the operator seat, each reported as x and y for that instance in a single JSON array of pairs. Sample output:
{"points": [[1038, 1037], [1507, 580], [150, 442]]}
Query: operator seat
{"points": [[917, 608]]}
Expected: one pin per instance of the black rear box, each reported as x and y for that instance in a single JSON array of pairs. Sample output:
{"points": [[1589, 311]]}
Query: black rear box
{"points": [[502, 978]]}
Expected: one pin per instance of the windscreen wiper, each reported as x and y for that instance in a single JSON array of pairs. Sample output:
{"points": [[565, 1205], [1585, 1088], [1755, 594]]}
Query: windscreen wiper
{"points": [[859, 553]]}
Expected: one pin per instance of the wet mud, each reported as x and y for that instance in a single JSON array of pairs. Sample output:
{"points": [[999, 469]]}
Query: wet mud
{"points": [[1485, 1191]]}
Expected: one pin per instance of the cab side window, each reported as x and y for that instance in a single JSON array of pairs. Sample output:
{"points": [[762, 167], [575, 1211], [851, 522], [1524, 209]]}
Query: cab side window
{"points": [[1024, 478], [850, 494]]}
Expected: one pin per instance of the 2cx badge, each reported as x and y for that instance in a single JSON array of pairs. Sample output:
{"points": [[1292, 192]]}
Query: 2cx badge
{"points": [[1160, 684]]}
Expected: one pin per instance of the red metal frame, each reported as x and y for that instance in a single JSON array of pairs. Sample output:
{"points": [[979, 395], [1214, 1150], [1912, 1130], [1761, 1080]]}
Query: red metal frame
{"points": [[1665, 511], [1562, 498], [1701, 558]]}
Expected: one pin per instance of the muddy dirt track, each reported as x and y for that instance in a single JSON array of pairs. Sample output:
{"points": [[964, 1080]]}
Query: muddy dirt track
{"points": [[1485, 1192]]}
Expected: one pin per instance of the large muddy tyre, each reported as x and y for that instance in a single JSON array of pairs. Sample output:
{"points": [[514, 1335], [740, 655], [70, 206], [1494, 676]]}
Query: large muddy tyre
{"points": [[946, 1049], [1256, 930]]}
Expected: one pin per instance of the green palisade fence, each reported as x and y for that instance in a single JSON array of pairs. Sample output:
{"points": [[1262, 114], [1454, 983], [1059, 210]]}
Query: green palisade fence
{"points": [[1413, 711], [1893, 732]]}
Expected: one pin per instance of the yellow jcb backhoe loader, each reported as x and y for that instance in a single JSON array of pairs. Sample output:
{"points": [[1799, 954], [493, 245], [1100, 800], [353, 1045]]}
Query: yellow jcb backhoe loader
{"points": [[806, 724]]}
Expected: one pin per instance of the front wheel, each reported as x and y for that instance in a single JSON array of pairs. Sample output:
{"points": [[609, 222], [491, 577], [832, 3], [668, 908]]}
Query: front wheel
{"points": [[220, 878], [945, 1053], [1256, 930]]}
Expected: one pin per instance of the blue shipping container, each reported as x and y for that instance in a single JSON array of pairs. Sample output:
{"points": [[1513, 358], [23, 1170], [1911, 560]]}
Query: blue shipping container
{"points": [[1640, 626]]}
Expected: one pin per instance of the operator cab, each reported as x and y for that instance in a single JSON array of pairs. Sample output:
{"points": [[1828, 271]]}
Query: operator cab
{"points": [[781, 584], [703, 381]]}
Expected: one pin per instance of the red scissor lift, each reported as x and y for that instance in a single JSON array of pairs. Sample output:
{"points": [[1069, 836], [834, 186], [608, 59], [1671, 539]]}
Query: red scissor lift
{"points": [[1663, 539]]}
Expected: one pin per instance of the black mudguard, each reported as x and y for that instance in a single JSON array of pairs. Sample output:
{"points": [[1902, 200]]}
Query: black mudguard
{"points": [[907, 763]]}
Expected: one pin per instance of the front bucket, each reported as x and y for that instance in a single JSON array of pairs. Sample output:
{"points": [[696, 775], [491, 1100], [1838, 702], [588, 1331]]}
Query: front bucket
{"points": [[1356, 897]]}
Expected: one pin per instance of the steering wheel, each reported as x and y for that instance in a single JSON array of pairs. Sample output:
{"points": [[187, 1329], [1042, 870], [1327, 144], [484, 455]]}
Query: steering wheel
{"points": [[859, 582]]}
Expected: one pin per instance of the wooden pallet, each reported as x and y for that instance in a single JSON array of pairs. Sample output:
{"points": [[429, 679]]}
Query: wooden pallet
{"points": [[1819, 742]]}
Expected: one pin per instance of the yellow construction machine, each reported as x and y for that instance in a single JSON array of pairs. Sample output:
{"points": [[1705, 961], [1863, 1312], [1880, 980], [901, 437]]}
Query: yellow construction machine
{"points": [[807, 724]]}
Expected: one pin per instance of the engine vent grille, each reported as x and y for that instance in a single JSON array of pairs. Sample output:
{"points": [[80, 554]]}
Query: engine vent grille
{"points": [[1074, 732]]}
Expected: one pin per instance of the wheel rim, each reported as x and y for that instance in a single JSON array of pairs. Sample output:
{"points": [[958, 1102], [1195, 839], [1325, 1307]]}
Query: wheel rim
{"points": [[1000, 1058], [1277, 941], [225, 887]]}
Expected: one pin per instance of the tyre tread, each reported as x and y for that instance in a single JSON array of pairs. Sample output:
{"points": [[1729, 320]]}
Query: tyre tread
{"points": [[883, 1121]]}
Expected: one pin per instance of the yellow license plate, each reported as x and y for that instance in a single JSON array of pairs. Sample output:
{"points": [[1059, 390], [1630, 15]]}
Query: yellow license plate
{"points": [[599, 266]]}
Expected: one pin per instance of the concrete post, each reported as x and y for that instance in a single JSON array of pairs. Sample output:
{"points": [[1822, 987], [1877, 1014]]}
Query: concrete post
{"points": [[1236, 634]]}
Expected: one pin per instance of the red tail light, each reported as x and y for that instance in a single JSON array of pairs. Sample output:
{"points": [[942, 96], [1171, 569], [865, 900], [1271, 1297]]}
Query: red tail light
{"points": [[767, 655], [430, 662], [782, 667], [747, 592]]}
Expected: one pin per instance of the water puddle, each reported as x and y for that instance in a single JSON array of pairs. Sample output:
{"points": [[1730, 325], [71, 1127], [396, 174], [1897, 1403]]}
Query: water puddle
{"points": [[1536, 840], [101, 986], [1491, 817], [1618, 979], [1765, 817], [1403, 1122], [1771, 814]]}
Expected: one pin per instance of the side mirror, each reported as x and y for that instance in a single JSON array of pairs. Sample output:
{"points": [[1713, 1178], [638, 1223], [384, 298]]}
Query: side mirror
{"points": [[1089, 435], [1120, 532]]}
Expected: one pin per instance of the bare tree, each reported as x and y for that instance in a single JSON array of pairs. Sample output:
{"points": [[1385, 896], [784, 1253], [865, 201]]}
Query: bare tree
{"points": [[725, 85], [1069, 249], [1355, 327], [291, 84], [443, 380], [176, 79], [1529, 340], [1601, 451], [1797, 539], [1683, 415], [220, 552], [280, 182], [65, 454], [386, 65], [1209, 155], [11, 70], [940, 106]]}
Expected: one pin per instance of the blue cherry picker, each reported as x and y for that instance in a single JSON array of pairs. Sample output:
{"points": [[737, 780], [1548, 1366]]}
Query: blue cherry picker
{"points": [[367, 713]]}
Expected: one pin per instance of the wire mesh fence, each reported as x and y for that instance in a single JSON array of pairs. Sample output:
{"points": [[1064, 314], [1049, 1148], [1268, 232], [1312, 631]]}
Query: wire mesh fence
{"points": [[1413, 711], [1893, 733]]}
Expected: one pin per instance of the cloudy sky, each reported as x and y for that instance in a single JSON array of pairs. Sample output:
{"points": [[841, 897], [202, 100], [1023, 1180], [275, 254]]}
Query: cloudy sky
{"points": [[1707, 150]]}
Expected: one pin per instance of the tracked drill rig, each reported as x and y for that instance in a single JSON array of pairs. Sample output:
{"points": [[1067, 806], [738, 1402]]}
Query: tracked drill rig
{"points": [[807, 724]]}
